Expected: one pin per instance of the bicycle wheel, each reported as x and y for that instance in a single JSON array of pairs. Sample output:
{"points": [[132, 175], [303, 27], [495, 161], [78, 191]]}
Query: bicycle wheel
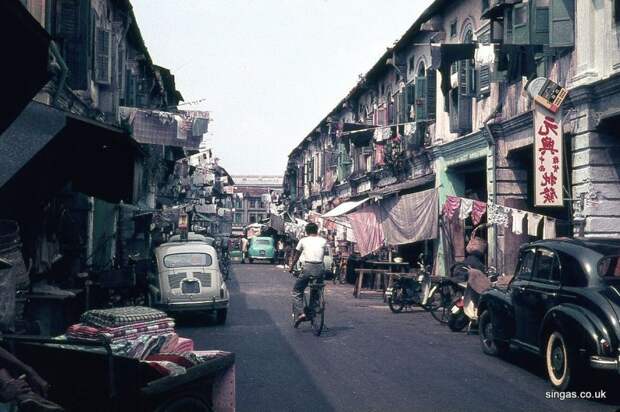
{"points": [[439, 303], [396, 301], [318, 312]]}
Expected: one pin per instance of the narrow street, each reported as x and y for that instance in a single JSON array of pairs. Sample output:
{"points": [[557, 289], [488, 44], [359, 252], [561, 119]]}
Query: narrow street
{"points": [[368, 360]]}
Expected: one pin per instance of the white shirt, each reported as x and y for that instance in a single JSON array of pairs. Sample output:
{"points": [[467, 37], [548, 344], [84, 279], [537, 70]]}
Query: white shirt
{"points": [[312, 249]]}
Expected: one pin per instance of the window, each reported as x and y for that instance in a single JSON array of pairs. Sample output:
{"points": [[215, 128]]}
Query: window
{"points": [[609, 267], [103, 49], [73, 33], [547, 269], [425, 95], [180, 260], [540, 22], [460, 98], [572, 271], [617, 11], [526, 265], [453, 29]]}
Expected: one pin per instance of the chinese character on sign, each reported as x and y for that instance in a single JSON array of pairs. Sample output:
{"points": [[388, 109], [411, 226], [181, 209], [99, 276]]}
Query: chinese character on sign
{"points": [[548, 146]]}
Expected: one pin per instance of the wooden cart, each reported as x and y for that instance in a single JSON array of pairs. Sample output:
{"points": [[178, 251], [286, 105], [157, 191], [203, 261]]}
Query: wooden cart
{"points": [[87, 376]]}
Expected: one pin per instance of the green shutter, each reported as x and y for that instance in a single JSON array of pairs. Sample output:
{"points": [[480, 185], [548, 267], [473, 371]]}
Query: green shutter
{"points": [[453, 108], [410, 99], [73, 30], [420, 99], [561, 23], [483, 81], [403, 114], [521, 23], [465, 114], [466, 81], [540, 33], [508, 25], [431, 94]]}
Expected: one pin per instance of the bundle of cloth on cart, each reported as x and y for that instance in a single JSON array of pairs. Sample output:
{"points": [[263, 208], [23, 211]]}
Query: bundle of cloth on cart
{"points": [[141, 333]]}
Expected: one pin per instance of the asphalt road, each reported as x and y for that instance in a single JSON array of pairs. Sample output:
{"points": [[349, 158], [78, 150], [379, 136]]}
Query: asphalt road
{"points": [[368, 360]]}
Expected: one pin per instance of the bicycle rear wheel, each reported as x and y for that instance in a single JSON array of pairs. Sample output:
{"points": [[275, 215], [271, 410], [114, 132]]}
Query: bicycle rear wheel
{"points": [[440, 302], [318, 312]]}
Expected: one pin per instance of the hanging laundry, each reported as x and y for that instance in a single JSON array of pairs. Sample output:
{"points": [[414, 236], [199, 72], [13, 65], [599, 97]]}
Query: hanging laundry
{"points": [[379, 155], [533, 221], [451, 206], [377, 135], [466, 208], [497, 215], [485, 54], [409, 129], [478, 210], [517, 221], [387, 133], [549, 228]]}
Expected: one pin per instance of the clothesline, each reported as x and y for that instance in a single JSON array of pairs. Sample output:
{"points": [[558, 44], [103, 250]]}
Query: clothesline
{"points": [[501, 216]]}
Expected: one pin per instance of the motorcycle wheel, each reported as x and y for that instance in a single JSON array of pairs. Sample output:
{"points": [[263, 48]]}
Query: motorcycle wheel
{"points": [[396, 301], [457, 321]]}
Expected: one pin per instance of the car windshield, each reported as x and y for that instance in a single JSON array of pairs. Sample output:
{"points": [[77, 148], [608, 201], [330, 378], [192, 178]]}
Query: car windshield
{"points": [[609, 267], [262, 242], [179, 260]]}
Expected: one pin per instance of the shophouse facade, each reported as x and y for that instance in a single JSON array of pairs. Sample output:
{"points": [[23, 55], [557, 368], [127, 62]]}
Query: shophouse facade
{"points": [[447, 103]]}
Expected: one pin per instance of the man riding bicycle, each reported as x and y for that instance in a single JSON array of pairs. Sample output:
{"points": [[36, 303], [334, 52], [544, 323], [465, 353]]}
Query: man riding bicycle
{"points": [[312, 249]]}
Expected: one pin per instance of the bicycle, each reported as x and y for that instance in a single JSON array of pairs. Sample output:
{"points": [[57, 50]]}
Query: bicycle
{"points": [[442, 295], [314, 306]]}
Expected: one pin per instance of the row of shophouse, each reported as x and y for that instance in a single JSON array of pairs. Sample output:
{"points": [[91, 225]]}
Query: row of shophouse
{"points": [[444, 110], [93, 144]]}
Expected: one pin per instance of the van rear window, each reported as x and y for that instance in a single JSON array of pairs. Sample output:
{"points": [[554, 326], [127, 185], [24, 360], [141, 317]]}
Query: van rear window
{"points": [[181, 260], [263, 242]]}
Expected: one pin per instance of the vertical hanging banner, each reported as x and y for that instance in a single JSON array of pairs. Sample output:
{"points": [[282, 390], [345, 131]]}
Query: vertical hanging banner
{"points": [[548, 158]]}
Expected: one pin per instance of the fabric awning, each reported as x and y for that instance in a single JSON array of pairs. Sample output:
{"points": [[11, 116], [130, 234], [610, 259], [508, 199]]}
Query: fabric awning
{"points": [[344, 208], [25, 50], [399, 187], [46, 148]]}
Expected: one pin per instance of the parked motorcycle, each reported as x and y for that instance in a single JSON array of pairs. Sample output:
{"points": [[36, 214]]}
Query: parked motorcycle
{"points": [[464, 310], [409, 289]]}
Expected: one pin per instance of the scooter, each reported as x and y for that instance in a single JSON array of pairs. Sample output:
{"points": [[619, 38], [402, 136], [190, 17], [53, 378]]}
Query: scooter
{"points": [[464, 311]]}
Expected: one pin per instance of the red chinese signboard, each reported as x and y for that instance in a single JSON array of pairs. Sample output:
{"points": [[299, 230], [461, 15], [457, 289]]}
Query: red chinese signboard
{"points": [[548, 158]]}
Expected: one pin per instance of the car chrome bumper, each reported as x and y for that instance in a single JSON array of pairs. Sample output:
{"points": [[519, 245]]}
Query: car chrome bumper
{"points": [[605, 363], [194, 306]]}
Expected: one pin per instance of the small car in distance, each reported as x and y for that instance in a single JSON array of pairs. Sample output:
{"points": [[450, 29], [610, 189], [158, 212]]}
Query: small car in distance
{"points": [[563, 305], [186, 277], [262, 248]]}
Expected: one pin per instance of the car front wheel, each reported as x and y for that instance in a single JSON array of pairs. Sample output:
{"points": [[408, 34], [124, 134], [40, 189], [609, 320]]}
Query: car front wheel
{"points": [[562, 362]]}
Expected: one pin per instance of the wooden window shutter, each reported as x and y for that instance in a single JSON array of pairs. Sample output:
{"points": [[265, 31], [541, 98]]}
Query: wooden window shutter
{"points": [[420, 99], [483, 81], [464, 113], [561, 22], [103, 47], [410, 90], [521, 23], [453, 107], [403, 113], [72, 29], [508, 26], [466, 80], [431, 94], [540, 32]]}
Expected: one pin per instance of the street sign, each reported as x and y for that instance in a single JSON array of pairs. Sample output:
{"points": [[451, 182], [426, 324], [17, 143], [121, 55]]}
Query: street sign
{"points": [[547, 93], [548, 158]]}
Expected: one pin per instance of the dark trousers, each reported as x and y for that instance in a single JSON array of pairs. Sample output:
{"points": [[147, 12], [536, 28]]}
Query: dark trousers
{"points": [[311, 270]]}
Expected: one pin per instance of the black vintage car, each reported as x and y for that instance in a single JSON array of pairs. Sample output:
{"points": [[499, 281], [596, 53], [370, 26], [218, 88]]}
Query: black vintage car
{"points": [[563, 304]]}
